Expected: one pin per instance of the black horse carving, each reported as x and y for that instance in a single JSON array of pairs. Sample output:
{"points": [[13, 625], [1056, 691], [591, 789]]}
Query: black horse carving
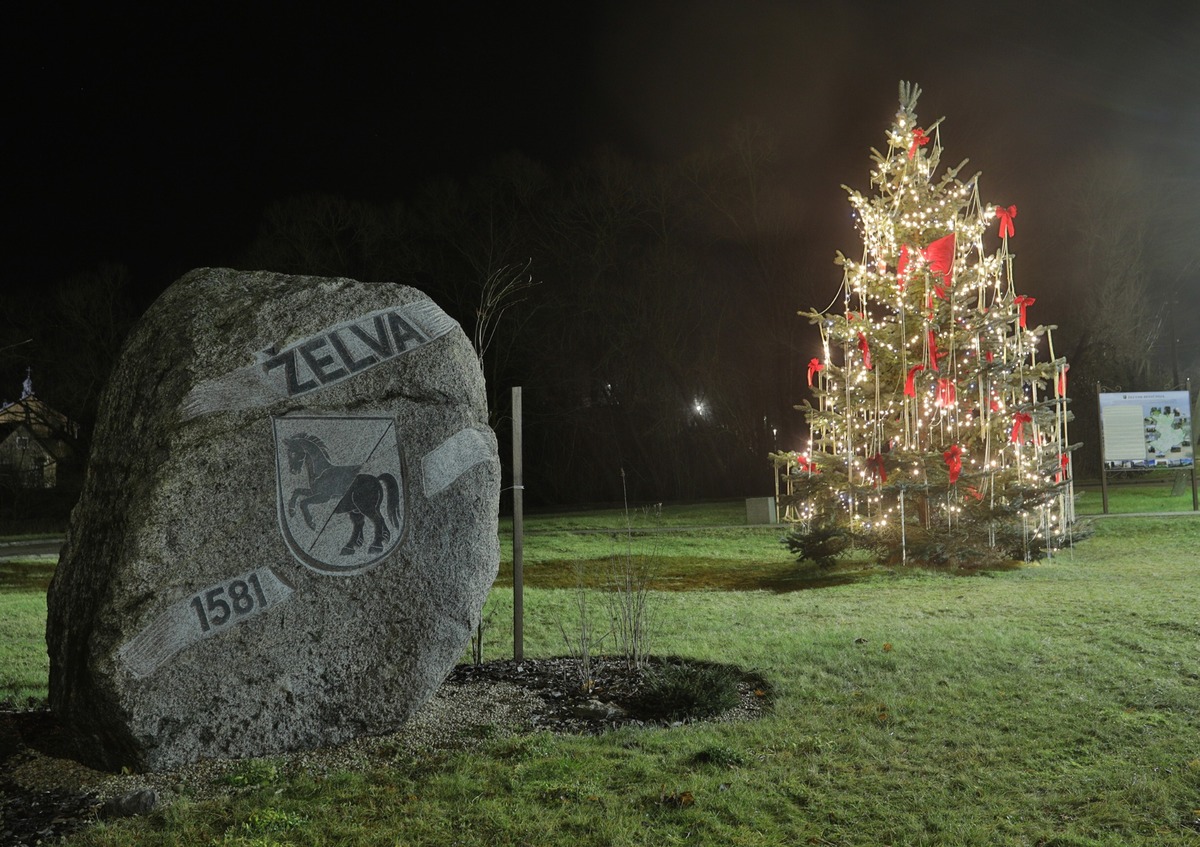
{"points": [[361, 495]]}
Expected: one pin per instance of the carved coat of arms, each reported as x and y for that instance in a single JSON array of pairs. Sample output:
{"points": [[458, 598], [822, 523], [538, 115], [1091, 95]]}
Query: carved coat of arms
{"points": [[340, 484]]}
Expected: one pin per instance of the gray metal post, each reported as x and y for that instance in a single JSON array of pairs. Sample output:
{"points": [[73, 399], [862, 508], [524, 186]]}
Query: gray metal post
{"points": [[1103, 460], [518, 531]]}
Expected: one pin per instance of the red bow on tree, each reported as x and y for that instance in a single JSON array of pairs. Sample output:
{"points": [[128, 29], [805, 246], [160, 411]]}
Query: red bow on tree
{"points": [[946, 392], [919, 139], [989, 355], [866, 350], [1062, 381], [802, 463], [1023, 302], [814, 366], [1063, 461], [953, 458], [1019, 420], [940, 256], [910, 387], [901, 267], [1006, 220], [875, 463]]}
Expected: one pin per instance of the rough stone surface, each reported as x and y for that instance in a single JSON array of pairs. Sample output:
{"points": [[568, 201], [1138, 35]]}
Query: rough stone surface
{"points": [[288, 524]]}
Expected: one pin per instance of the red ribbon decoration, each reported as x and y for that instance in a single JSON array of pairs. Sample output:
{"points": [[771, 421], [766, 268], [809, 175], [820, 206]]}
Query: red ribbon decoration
{"points": [[866, 350], [940, 256], [901, 267], [802, 463], [989, 355], [1019, 420], [953, 458], [1006, 220], [976, 493], [919, 139], [947, 393], [814, 366], [875, 464], [1063, 461], [1023, 302], [1062, 381], [910, 387], [934, 354]]}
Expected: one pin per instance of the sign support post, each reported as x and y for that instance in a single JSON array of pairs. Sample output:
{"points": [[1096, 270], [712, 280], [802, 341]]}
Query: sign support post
{"points": [[518, 530], [1103, 457], [1195, 499]]}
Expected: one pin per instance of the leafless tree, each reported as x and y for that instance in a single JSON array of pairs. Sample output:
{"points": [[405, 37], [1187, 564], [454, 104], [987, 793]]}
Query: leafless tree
{"points": [[1120, 312]]}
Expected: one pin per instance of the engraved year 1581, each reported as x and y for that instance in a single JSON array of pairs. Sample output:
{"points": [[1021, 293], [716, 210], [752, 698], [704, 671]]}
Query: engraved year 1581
{"points": [[217, 606]]}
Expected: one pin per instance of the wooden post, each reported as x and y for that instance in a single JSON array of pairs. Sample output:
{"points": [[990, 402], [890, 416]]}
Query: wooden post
{"points": [[518, 530], [1191, 409], [1103, 460], [775, 473]]}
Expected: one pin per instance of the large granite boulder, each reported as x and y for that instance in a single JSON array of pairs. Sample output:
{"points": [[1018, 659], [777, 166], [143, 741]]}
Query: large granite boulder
{"points": [[288, 525]]}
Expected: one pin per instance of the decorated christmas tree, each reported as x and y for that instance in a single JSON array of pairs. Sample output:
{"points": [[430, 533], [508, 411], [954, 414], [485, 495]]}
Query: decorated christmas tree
{"points": [[939, 430]]}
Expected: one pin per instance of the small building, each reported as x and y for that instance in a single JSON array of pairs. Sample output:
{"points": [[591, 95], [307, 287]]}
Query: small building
{"points": [[34, 440]]}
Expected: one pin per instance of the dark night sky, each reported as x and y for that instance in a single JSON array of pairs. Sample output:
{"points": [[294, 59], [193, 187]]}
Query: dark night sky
{"points": [[155, 138]]}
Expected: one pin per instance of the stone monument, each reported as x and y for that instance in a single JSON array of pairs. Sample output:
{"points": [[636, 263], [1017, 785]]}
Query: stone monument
{"points": [[288, 525]]}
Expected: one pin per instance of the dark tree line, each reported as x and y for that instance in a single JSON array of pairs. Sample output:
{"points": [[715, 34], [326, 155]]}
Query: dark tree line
{"points": [[656, 332], [649, 311], [1125, 254], [65, 342]]}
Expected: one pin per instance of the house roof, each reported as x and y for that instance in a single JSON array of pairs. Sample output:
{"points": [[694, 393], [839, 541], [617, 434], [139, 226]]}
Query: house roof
{"points": [[44, 423]]}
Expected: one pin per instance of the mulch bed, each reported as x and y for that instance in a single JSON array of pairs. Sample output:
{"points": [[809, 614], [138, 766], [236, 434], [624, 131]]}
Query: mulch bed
{"points": [[30, 817], [570, 699]]}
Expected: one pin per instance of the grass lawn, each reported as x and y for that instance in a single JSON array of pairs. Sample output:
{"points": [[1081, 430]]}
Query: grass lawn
{"points": [[1143, 491], [24, 668], [1052, 704]]}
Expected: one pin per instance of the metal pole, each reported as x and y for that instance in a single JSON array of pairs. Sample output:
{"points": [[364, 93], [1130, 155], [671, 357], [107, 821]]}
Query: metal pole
{"points": [[1191, 409], [1103, 461], [518, 531]]}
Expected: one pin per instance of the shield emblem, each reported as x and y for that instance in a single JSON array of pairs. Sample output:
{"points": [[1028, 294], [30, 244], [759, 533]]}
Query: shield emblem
{"points": [[340, 485]]}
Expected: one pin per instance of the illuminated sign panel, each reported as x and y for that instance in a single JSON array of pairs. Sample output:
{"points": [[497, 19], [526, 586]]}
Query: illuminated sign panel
{"points": [[1147, 429]]}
